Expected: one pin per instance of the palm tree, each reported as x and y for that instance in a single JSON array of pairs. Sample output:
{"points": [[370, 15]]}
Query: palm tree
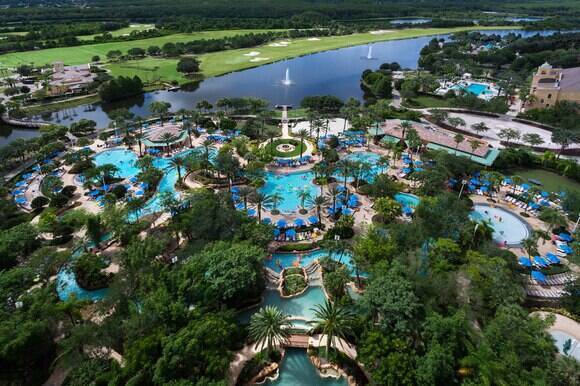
{"points": [[480, 127], [245, 193], [458, 138], [139, 138], [333, 321], [261, 200], [270, 327], [187, 127], [474, 144], [302, 134], [167, 138], [207, 147], [530, 244], [304, 196], [160, 108], [333, 193], [345, 169], [177, 163], [552, 218], [383, 162], [277, 198], [405, 125], [318, 202]]}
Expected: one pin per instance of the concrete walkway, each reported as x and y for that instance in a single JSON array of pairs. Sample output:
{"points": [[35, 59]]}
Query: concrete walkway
{"points": [[562, 323]]}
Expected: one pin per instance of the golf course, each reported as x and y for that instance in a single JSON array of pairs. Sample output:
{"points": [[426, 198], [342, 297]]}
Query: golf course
{"points": [[216, 63]]}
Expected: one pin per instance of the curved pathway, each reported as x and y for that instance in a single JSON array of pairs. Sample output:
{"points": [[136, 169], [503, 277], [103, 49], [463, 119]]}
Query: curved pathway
{"points": [[562, 323]]}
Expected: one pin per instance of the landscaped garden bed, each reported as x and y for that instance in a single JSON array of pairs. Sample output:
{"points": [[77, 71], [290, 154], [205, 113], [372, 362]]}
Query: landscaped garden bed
{"points": [[294, 281], [285, 148]]}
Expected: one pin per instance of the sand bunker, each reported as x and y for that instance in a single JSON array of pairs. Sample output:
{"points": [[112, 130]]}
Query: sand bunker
{"points": [[313, 39], [253, 53], [280, 44], [259, 59], [381, 32]]}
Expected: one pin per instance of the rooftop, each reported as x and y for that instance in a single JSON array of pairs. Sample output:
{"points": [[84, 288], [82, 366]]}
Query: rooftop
{"points": [[570, 79]]}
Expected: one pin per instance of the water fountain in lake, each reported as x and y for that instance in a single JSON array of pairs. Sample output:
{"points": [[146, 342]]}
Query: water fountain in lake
{"points": [[370, 53], [286, 81]]}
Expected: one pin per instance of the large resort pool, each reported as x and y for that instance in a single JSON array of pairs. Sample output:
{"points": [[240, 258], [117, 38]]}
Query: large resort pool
{"points": [[289, 186], [507, 227], [278, 261], [297, 369]]}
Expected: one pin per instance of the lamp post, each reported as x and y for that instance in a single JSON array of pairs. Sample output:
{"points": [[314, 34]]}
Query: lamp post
{"points": [[463, 183], [576, 225]]}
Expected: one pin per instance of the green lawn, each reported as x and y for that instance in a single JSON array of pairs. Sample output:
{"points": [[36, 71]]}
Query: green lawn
{"points": [[83, 54], [426, 101], [271, 148], [122, 31], [219, 63], [552, 182]]}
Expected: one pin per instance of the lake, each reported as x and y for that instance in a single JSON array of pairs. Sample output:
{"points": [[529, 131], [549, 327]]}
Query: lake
{"points": [[335, 72]]}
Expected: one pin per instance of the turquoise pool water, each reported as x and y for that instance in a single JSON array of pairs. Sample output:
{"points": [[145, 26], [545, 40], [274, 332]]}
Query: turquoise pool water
{"points": [[288, 185], [286, 260], [476, 89], [296, 307], [67, 286], [407, 199], [123, 159], [560, 338], [367, 157], [296, 369], [507, 227]]}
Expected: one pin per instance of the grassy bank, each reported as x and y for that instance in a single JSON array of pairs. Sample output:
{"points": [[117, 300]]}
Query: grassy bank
{"points": [[223, 62], [426, 101], [121, 31], [552, 182], [83, 54]]}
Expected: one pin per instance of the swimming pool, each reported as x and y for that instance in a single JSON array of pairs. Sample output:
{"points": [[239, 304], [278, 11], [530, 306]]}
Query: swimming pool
{"points": [[507, 227], [296, 307], [288, 186], [67, 286], [286, 260], [297, 369], [370, 158], [407, 199], [561, 338], [122, 159], [476, 89]]}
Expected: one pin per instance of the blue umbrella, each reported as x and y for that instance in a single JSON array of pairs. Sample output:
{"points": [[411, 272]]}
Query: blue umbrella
{"points": [[540, 261], [524, 261], [299, 222], [240, 206], [281, 223], [94, 193], [251, 212], [525, 186], [133, 180], [17, 192], [20, 184], [235, 189], [36, 167], [347, 211], [407, 170], [144, 185], [105, 187], [276, 232], [291, 233], [26, 176], [484, 189], [508, 181], [313, 220], [566, 249], [539, 277], [474, 181], [21, 200], [267, 220], [139, 193], [552, 258], [545, 194], [419, 169], [565, 237]]}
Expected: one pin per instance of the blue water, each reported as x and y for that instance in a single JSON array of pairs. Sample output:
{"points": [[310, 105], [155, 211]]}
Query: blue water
{"points": [[296, 369], [477, 89], [335, 72], [406, 199], [121, 158], [410, 21], [510, 229], [560, 337], [286, 260], [67, 286], [288, 185], [295, 307], [369, 158]]}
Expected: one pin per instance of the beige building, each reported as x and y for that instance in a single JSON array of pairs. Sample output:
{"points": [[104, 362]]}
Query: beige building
{"points": [[70, 79], [551, 85]]}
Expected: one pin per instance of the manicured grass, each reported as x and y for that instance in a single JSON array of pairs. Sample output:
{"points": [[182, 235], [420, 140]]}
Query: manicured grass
{"points": [[219, 63], [83, 54], [552, 182], [292, 113], [122, 31], [271, 148], [426, 101]]}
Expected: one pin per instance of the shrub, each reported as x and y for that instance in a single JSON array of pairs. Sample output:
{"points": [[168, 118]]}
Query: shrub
{"points": [[59, 200], [88, 271], [39, 202], [68, 191], [119, 191], [296, 247]]}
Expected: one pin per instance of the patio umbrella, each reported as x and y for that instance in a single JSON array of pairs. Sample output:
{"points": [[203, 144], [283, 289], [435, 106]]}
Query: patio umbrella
{"points": [[251, 212], [291, 233], [525, 186], [276, 232], [565, 237], [17, 192], [540, 261], [94, 193], [419, 169], [545, 194], [144, 185], [133, 180], [20, 184], [552, 258], [407, 170], [484, 189], [313, 220], [36, 167], [524, 261], [299, 222], [139, 193], [26, 176], [566, 249], [105, 187], [281, 223], [508, 181], [235, 189], [539, 277], [240, 206], [347, 211], [21, 200], [267, 220]]}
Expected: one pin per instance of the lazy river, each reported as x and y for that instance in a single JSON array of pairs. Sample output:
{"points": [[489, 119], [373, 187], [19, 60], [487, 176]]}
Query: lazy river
{"points": [[296, 369]]}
